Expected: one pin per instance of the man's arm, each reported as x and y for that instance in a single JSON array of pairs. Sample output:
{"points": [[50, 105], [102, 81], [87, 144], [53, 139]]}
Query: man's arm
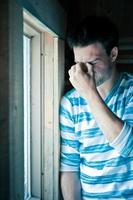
{"points": [[117, 131], [70, 186], [70, 157], [84, 83], [108, 122]]}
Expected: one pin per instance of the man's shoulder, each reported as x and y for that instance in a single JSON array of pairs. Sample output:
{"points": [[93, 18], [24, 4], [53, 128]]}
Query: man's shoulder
{"points": [[127, 77], [125, 81], [73, 97], [126, 85], [71, 94]]}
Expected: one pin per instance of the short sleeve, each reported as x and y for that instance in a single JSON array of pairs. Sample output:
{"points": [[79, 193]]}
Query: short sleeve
{"points": [[69, 158]]}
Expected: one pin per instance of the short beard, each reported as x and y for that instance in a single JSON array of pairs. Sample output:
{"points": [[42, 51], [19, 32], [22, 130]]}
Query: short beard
{"points": [[100, 79]]}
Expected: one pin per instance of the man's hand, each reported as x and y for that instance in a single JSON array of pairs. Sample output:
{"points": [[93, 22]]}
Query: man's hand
{"points": [[82, 78]]}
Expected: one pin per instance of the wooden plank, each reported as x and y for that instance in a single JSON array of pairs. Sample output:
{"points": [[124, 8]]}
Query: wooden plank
{"points": [[58, 88], [48, 116], [35, 117], [53, 82]]}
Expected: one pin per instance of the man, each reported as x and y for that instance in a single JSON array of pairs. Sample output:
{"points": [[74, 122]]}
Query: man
{"points": [[96, 118]]}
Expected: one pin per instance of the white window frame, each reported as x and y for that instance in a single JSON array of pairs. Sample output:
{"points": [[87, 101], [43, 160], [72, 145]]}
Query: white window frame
{"points": [[48, 69], [27, 111]]}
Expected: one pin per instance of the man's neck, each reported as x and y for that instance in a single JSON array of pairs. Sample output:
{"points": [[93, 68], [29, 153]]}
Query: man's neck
{"points": [[105, 88]]}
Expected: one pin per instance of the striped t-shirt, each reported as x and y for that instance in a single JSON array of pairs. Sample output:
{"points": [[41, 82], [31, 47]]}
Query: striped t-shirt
{"points": [[106, 169]]}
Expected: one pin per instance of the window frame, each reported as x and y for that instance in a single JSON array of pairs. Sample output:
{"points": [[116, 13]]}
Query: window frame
{"points": [[51, 73], [27, 111]]}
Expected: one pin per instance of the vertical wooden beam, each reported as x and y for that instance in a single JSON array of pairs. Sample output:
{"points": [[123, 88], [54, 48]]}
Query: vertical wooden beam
{"points": [[48, 116], [58, 88], [53, 86]]}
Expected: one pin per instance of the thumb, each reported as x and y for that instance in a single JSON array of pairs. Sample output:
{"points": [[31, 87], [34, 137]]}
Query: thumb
{"points": [[90, 69]]}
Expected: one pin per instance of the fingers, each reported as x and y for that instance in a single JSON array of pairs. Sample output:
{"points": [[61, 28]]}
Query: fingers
{"points": [[84, 67], [72, 70], [81, 68], [81, 78], [90, 69], [75, 69], [78, 68]]}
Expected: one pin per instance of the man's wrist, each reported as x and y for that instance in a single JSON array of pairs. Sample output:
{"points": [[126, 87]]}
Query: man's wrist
{"points": [[92, 95]]}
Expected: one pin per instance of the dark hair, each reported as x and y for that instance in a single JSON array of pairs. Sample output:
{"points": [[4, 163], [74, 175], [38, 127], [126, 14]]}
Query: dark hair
{"points": [[94, 29]]}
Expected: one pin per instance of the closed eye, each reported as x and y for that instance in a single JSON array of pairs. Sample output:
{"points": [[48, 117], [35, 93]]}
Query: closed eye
{"points": [[94, 62]]}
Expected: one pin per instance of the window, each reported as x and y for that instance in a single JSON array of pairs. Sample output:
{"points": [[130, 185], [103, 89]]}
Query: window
{"points": [[27, 130], [43, 82], [32, 111]]}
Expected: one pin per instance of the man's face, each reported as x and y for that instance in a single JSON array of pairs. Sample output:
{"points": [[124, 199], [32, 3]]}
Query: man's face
{"points": [[96, 55]]}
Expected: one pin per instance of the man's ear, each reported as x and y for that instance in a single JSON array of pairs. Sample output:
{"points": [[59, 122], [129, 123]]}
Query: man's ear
{"points": [[114, 54]]}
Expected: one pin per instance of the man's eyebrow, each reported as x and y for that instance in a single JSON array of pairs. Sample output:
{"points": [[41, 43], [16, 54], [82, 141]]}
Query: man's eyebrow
{"points": [[92, 61]]}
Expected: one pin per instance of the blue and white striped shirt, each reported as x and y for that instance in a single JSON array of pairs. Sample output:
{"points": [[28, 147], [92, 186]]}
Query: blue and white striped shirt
{"points": [[106, 169]]}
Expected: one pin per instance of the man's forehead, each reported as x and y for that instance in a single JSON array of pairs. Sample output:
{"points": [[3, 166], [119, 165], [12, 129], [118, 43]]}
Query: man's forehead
{"points": [[92, 51], [96, 47]]}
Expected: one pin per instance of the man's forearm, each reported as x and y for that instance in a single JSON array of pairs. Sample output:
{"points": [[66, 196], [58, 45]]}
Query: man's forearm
{"points": [[70, 186], [85, 84], [108, 122]]}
